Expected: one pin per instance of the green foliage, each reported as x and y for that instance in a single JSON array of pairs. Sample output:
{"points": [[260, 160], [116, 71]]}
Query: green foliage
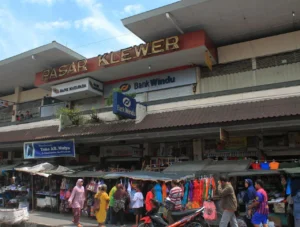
{"points": [[94, 117], [74, 115], [110, 101]]}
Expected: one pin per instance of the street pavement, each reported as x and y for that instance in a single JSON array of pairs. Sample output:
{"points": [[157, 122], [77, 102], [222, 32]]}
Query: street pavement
{"points": [[54, 219]]}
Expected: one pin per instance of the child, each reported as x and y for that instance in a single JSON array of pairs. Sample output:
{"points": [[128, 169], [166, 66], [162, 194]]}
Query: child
{"points": [[138, 204]]}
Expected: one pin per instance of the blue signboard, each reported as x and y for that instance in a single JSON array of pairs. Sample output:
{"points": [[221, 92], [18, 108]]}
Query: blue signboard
{"points": [[49, 149], [124, 106]]}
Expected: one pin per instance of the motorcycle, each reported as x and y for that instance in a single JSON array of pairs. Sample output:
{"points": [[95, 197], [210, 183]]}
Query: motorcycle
{"points": [[189, 218]]}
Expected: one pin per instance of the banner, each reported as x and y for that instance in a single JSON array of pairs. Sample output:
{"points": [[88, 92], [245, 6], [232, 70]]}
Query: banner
{"points": [[224, 135], [4, 103], [49, 149], [233, 144]]}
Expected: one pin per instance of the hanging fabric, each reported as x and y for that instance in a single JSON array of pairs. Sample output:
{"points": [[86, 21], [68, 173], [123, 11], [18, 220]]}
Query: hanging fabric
{"points": [[196, 194], [191, 190], [158, 192], [186, 193], [164, 191]]}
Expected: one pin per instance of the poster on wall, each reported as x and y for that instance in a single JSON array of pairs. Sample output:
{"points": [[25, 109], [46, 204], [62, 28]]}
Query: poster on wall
{"points": [[234, 144], [49, 149]]}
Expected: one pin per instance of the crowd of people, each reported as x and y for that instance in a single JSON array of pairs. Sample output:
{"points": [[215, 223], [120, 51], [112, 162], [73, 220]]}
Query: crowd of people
{"points": [[110, 208], [21, 117], [256, 202]]}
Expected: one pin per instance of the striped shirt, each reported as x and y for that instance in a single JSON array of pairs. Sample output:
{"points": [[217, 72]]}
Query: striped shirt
{"points": [[175, 196], [262, 198]]}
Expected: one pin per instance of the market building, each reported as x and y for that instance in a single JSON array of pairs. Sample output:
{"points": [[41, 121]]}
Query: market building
{"points": [[210, 82], [192, 78]]}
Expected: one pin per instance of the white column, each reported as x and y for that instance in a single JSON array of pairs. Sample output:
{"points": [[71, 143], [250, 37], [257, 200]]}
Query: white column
{"points": [[198, 77], [17, 98], [198, 149]]}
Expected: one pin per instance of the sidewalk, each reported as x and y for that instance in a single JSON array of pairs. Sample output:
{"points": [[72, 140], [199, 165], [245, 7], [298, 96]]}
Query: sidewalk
{"points": [[46, 219]]}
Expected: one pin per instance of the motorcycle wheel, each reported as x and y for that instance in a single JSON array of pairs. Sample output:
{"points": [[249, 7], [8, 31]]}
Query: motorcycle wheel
{"points": [[143, 224], [197, 224]]}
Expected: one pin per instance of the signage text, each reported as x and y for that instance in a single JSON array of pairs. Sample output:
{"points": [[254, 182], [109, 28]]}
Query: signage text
{"points": [[143, 50], [65, 70], [49, 149]]}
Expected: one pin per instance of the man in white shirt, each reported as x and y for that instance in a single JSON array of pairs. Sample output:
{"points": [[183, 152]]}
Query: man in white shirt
{"points": [[138, 204]]}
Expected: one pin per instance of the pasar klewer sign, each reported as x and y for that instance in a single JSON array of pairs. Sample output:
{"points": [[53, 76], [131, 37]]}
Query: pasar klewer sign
{"points": [[65, 70], [106, 60], [143, 50]]}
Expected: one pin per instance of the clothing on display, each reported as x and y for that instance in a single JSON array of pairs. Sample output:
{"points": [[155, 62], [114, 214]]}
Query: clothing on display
{"points": [[158, 192], [164, 191], [274, 165]]}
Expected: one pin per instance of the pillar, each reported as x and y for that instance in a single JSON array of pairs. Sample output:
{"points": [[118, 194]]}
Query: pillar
{"points": [[198, 79], [17, 99], [198, 149]]}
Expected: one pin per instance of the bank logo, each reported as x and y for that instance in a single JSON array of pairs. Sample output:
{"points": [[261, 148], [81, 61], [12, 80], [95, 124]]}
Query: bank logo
{"points": [[125, 87], [126, 102]]}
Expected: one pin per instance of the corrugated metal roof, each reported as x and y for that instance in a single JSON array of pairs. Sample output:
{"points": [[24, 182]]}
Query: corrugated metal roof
{"points": [[167, 120]]}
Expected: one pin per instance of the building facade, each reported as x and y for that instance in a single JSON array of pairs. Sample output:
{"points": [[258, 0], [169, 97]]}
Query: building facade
{"points": [[193, 77]]}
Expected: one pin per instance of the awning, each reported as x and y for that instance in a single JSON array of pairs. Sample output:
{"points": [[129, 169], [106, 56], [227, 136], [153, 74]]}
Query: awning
{"points": [[285, 165], [11, 167], [148, 176], [84, 174], [190, 167], [39, 169], [227, 166], [292, 171], [60, 170], [253, 173]]}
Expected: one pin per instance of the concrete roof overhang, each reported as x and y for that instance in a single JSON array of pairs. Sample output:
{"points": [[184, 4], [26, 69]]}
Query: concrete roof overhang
{"points": [[226, 22], [20, 70]]}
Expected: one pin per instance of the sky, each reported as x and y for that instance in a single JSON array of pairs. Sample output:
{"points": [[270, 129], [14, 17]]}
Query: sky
{"points": [[89, 27]]}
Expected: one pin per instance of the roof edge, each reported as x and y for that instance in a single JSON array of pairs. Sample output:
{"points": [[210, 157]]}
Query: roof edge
{"points": [[40, 49], [161, 10]]}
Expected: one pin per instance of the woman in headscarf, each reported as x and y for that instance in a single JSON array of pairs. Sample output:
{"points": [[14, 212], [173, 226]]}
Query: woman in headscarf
{"points": [[120, 197], [76, 201], [103, 197], [249, 196]]}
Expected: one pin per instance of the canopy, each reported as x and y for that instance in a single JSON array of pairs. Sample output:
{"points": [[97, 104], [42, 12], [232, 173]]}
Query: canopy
{"points": [[292, 171], [60, 170], [227, 166], [39, 169], [253, 173], [147, 175], [187, 167], [84, 174], [11, 167], [285, 165]]}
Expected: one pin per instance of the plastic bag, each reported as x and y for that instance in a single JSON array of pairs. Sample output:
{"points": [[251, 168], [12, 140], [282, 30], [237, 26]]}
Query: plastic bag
{"points": [[210, 212]]}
